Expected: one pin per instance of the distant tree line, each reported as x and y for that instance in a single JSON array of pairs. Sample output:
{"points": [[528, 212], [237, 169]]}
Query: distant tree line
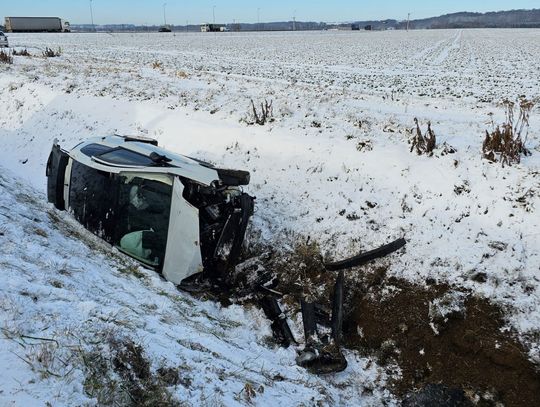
{"points": [[498, 19]]}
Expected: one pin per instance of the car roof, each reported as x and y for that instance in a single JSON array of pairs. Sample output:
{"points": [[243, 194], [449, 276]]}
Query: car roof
{"points": [[177, 164]]}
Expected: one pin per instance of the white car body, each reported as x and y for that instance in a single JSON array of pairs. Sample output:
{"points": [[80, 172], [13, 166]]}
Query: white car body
{"points": [[171, 212]]}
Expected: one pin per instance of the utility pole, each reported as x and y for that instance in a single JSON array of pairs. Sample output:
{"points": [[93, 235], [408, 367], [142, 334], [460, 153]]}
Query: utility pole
{"points": [[214, 15], [258, 19], [164, 14], [294, 21], [187, 25], [408, 19], [92, 17]]}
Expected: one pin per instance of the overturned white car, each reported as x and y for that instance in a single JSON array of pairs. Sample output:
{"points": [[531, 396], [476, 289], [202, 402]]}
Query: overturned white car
{"points": [[173, 213]]}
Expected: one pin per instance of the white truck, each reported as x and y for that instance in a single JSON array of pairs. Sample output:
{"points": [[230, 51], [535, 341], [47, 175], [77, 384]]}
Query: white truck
{"points": [[36, 24]]}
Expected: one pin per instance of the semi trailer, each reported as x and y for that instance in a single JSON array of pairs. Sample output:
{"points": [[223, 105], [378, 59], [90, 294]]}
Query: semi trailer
{"points": [[36, 24]]}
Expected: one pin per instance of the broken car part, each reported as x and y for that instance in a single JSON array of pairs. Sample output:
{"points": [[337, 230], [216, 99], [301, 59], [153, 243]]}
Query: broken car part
{"points": [[320, 357], [172, 213], [366, 257], [280, 327]]}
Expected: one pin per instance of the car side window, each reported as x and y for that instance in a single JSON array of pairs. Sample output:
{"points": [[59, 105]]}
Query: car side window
{"points": [[121, 156], [95, 149]]}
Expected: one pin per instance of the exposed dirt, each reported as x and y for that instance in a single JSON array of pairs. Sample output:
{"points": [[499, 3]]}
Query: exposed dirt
{"points": [[391, 320], [448, 344]]}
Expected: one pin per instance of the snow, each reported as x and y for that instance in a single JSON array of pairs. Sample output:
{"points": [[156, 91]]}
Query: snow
{"points": [[64, 290], [462, 216]]}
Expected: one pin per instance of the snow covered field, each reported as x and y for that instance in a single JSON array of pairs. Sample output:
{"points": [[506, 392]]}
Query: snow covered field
{"points": [[333, 165]]}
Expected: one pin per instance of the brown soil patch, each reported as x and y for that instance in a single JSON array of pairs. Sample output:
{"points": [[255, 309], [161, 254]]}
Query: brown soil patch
{"points": [[470, 352], [465, 348]]}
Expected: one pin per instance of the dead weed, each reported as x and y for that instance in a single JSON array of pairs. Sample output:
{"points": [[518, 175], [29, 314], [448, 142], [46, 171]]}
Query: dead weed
{"points": [[423, 143], [120, 374], [506, 143]]}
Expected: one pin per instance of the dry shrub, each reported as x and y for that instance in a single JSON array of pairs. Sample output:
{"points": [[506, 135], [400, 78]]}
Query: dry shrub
{"points": [[5, 57], [423, 143], [249, 392], [50, 53], [506, 143], [266, 114], [301, 272], [23, 53], [364, 145], [157, 65], [121, 375]]}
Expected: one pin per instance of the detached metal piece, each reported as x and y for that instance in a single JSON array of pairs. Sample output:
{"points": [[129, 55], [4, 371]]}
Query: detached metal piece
{"points": [[366, 257], [337, 309], [280, 327], [309, 321], [316, 357], [310, 353], [320, 355]]}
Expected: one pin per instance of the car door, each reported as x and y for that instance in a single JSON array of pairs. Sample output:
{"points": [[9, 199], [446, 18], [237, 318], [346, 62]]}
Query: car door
{"points": [[55, 172]]}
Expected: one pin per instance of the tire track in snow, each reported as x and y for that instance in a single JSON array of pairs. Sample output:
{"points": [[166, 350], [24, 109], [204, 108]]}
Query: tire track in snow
{"points": [[428, 51], [445, 52], [440, 51]]}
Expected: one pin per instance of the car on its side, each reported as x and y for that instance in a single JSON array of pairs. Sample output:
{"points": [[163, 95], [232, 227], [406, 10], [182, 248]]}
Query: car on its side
{"points": [[4, 43], [175, 214]]}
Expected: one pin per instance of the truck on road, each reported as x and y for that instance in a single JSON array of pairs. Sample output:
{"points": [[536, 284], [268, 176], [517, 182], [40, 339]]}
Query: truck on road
{"points": [[36, 24]]}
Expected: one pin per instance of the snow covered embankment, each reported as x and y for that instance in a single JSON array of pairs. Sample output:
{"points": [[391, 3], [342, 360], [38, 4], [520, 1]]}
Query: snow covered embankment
{"points": [[335, 165], [66, 296], [467, 222]]}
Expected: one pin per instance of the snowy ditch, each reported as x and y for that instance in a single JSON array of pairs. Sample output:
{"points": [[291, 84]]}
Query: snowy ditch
{"points": [[470, 225]]}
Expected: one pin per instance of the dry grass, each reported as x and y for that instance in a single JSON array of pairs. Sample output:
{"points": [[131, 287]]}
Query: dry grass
{"points": [[5, 57], [45, 356], [50, 53], [132, 269], [41, 232], [23, 53], [157, 65], [181, 75], [248, 393], [121, 375], [266, 113], [423, 143], [506, 143]]}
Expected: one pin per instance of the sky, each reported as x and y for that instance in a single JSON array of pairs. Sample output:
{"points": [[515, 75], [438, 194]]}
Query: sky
{"points": [[179, 12]]}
